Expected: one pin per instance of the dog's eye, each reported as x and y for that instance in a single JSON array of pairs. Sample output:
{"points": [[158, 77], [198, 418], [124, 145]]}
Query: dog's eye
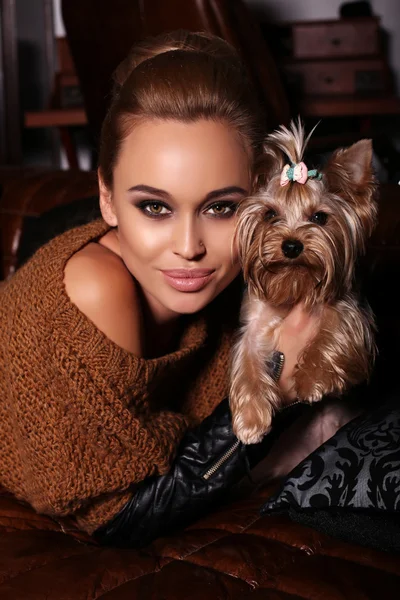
{"points": [[319, 218], [270, 214]]}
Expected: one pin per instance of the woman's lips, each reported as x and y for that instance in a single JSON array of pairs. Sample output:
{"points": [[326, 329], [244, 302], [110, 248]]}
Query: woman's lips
{"points": [[188, 280]]}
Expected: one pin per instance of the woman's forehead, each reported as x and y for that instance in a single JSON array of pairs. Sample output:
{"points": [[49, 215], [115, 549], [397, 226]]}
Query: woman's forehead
{"points": [[172, 156]]}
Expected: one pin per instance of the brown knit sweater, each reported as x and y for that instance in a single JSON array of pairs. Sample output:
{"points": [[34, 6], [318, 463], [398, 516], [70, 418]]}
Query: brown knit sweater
{"points": [[80, 418]]}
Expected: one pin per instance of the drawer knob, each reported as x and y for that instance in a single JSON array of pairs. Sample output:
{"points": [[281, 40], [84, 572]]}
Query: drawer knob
{"points": [[328, 79], [336, 41]]}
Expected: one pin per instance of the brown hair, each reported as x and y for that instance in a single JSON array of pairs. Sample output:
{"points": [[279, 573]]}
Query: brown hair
{"points": [[179, 76]]}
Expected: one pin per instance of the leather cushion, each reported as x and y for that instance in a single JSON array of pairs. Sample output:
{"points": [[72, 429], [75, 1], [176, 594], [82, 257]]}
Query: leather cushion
{"points": [[232, 553]]}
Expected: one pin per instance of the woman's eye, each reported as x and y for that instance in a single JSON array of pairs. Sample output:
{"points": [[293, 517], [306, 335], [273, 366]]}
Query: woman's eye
{"points": [[319, 218], [222, 209], [154, 209], [270, 214]]}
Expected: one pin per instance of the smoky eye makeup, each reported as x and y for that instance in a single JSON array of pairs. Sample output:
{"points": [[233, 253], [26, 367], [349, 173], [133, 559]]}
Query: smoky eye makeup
{"points": [[158, 209], [155, 209], [221, 209]]}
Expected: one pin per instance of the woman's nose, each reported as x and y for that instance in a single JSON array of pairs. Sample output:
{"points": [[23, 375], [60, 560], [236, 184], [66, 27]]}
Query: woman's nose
{"points": [[188, 241]]}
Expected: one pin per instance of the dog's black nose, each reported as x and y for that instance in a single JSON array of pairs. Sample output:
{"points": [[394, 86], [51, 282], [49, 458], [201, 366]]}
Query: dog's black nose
{"points": [[292, 248]]}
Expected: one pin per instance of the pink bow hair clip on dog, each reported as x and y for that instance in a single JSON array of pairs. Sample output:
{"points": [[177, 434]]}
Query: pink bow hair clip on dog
{"points": [[298, 172]]}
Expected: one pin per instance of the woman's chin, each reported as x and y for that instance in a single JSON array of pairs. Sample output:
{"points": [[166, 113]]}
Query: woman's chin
{"points": [[190, 303], [189, 306]]}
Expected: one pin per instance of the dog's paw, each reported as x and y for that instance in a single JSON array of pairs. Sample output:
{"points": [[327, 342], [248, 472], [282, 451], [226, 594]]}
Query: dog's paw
{"points": [[308, 387], [249, 432], [252, 420]]}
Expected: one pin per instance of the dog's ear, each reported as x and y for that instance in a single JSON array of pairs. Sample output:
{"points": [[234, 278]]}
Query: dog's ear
{"points": [[349, 174], [268, 164], [350, 169]]}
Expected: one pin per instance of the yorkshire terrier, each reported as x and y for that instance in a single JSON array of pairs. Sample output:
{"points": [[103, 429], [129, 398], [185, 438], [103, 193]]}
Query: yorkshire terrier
{"points": [[298, 240]]}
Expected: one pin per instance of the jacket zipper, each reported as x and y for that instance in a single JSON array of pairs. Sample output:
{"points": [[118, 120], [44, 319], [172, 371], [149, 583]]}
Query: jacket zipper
{"points": [[292, 404], [218, 463], [280, 367]]}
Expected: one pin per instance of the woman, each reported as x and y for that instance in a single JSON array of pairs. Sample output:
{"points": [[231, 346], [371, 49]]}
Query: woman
{"points": [[115, 336]]}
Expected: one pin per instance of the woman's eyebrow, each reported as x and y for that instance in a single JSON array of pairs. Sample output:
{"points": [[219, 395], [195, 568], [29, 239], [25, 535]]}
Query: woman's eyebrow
{"points": [[215, 194], [148, 189], [226, 191]]}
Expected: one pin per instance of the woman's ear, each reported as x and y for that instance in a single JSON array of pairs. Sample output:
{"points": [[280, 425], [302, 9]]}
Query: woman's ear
{"points": [[106, 203]]}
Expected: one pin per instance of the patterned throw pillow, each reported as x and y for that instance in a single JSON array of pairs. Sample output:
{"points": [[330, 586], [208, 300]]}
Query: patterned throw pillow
{"points": [[350, 486]]}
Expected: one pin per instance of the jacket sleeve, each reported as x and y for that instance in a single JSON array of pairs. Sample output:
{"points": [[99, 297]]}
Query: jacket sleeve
{"points": [[210, 460]]}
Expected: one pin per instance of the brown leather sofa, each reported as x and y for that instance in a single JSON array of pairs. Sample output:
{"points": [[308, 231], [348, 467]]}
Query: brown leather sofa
{"points": [[231, 554]]}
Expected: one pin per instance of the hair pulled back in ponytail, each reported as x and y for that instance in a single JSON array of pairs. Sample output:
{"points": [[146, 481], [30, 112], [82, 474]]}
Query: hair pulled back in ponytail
{"points": [[185, 77]]}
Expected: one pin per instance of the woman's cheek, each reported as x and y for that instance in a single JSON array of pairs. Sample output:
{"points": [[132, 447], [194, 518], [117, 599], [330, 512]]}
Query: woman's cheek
{"points": [[144, 241]]}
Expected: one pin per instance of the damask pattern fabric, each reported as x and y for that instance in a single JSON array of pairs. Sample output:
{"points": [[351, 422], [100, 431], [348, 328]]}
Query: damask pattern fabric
{"points": [[350, 486]]}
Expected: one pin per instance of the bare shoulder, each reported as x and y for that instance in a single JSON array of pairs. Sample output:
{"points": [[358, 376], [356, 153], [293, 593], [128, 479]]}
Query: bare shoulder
{"points": [[99, 284]]}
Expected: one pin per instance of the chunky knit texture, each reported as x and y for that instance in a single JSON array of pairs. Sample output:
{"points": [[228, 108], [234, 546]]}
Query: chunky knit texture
{"points": [[81, 419]]}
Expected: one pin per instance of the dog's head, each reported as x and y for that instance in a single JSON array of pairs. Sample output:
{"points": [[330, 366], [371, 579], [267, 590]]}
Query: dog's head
{"points": [[299, 241]]}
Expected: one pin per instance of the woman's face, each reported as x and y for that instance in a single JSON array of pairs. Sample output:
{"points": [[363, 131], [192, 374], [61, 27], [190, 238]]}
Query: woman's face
{"points": [[175, 190]]}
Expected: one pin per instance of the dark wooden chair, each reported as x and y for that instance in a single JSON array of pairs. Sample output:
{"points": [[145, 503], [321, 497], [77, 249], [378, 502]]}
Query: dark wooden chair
{"points": [[100, 34]]}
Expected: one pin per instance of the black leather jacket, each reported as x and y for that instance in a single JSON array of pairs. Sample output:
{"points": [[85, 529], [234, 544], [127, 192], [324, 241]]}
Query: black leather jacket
{"points": [[210, 460]]}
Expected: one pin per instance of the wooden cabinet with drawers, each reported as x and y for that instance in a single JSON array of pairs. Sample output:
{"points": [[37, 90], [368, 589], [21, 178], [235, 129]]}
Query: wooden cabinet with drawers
{"points": [[337, 76], [337, 57], [336, 39], [362, 76]]}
